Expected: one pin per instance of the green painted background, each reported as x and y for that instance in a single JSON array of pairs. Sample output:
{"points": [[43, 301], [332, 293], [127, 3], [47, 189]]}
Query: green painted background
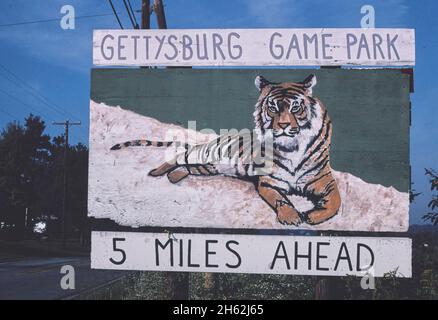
{"points": [[369, 108]]}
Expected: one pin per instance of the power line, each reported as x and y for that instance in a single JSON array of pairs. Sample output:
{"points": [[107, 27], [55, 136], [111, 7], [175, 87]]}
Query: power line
{"points": [[7, 113], [129, 13], [53, 19], [35, 93], [133, 15], [15, 116], [18, 85], [24, 103], [32, 109], [115, 13], [84, 134]]}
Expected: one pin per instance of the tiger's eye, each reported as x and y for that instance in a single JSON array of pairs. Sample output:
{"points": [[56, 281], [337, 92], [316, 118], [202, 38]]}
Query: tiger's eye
{"points": [[296, 108], [272, 109]]}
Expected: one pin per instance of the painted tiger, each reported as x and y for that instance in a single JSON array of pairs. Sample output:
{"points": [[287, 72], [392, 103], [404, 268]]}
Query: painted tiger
{"points": [[301, 131]]}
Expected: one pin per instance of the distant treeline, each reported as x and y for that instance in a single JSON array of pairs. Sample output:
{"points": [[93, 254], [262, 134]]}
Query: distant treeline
{"points": [[32, 181]]}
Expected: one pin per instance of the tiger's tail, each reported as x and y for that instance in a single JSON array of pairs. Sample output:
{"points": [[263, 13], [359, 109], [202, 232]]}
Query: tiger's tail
{"points": [[146, 143]]}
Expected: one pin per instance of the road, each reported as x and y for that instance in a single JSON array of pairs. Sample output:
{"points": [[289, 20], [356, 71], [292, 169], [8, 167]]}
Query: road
{"points": [[39, 278]]}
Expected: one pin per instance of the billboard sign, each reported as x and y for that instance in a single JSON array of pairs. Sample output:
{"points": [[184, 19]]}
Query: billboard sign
{"points": [[259, 152]]}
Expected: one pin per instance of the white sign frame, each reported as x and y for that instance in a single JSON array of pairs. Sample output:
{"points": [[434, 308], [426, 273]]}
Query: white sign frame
{"points": [[236, 253], [254, 47]]}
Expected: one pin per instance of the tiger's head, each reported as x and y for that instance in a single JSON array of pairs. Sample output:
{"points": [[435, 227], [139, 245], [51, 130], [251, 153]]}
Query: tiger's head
{"points": [[288, 110]]}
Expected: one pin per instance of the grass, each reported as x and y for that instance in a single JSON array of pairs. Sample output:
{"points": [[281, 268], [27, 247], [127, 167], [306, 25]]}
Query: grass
{"points": [[155, 285]]}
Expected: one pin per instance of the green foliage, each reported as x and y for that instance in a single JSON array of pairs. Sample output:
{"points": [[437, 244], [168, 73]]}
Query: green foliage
{"points": [[433, 204], [251, 286], [147, 286], [428, 288], [393, 286], [202, 286], [413, 194], [31, 175]]}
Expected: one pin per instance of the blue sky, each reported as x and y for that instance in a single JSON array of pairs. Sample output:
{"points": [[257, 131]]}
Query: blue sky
{"points": [[57, 62]]}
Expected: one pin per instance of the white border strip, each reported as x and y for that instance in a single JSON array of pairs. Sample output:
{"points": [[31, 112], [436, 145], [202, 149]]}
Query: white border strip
{"points": [[264, 254], [254, 47]]}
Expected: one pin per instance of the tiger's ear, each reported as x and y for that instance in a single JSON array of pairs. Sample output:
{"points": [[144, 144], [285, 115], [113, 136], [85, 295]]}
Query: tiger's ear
{"points": [[261, 82], [309, 83]]}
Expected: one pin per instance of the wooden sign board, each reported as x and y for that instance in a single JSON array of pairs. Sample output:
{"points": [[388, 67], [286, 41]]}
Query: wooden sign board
{"points": [[328, 150], [269, 254], [254, 47], [340, 162]]}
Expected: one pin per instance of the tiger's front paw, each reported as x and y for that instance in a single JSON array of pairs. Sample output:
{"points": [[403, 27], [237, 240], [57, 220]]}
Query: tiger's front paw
{"points": [[288, 215]]}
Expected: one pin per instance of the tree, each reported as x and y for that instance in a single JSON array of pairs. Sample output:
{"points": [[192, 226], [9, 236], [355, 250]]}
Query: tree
{"points": [[77, 182], [413, 194], [31, 175], [23, 157], [432, 216], [11, 169]]}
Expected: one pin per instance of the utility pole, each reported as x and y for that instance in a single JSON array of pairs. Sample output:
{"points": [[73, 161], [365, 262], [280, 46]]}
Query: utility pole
{"points": [[66, 125], [145, 14], [25, 223], [178, 282], [159, 11]]}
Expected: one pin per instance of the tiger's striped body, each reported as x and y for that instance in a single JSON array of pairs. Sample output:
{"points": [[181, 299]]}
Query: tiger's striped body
{"points": [[226, 155], [301, 130]]}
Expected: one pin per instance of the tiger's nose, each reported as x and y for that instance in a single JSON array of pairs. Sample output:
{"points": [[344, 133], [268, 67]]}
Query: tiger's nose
{"points": [[283, 125]]}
